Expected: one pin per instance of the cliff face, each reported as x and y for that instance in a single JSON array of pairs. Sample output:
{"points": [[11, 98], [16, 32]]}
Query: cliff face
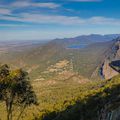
{"points": [[114, 115], [110, 115], [113, 54], [107, 71]]}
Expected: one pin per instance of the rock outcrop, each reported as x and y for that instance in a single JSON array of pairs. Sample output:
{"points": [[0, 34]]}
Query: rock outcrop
{"points": [[113, 54], [107, 71]]}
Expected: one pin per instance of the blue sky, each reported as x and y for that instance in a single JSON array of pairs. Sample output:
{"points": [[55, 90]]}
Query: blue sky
{"points": [[49, 19]]}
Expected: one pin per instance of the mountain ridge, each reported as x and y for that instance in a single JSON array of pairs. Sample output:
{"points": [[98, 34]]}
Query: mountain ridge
{"points": [[38, 58]]}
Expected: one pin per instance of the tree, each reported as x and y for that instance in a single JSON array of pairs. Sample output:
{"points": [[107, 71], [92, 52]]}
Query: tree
{"points": [[15, 90]]}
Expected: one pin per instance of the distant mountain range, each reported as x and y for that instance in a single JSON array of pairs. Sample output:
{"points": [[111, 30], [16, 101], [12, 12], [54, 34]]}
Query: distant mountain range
{"points": [[82, 55], [88, 39]]}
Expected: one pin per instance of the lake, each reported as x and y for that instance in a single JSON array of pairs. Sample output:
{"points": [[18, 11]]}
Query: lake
{"points": [[81, 46]]}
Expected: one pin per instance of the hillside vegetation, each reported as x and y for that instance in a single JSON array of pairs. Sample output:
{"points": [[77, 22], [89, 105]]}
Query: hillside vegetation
{"points": [[65, 100], [72, 100], [92, 101]]}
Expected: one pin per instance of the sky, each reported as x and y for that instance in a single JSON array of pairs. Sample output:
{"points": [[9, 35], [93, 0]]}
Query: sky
{"points": [[50, 19]]}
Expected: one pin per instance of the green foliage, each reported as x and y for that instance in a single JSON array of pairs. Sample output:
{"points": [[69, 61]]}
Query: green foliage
{"points": [[66, 100], [87, 104], [15, 90]]}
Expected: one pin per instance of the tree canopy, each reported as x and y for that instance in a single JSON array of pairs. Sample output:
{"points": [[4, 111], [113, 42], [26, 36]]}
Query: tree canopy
{"points": [[15, 90]]}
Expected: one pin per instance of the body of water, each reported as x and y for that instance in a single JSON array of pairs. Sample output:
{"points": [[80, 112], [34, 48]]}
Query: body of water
{"points": [[81, 46]]}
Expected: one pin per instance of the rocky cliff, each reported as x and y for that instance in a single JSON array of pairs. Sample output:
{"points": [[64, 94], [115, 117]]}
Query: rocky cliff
{"points": [[108, 69]]}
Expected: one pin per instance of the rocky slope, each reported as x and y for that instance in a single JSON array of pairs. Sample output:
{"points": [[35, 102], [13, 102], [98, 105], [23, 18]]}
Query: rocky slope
{"points": [[107, 71], [110, 66]]}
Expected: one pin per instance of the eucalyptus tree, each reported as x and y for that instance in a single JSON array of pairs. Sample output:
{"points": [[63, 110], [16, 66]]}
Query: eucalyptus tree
{"points": [[15, 90]]}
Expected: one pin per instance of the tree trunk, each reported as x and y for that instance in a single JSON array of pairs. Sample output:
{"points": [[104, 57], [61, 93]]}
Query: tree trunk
{"points": [[8, 115], [21, 112], [7, 109]]}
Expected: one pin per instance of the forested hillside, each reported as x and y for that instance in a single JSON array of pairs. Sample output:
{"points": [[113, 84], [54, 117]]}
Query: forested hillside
{"points": [[96, 101]]}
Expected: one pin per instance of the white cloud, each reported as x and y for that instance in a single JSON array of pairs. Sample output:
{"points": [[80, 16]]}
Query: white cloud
{"points": [[40, 18], [103, 20], [33, 4], [5, 11], [59, 19]]}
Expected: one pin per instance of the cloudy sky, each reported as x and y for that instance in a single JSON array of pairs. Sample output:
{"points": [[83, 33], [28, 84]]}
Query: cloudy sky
{"points": [[49, 19]]}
